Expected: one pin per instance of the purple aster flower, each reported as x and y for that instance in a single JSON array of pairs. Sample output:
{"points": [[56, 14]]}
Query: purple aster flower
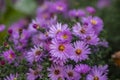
{"points": [[11, 77], [39, 38], [71, 74], [96, 22], [9, 55], [56, 72], [64, 36], [60, 50], [97, 74], [103, 43], [55, 29], [103, 3], [34, 74], [34, 25], [2, 27], [81, 31], [81, 51], [35, 54], [44, 11], [90, 10], [59, 7], [2, 6], [91, 39], [103, 68], [25, 35], [82, 68], [41, 23], [16, 28], [76, 13]]}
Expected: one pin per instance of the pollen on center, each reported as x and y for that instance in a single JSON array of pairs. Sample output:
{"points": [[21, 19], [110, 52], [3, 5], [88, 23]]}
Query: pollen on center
{"points": [[94, 22], [61, 47], [78, 51]]}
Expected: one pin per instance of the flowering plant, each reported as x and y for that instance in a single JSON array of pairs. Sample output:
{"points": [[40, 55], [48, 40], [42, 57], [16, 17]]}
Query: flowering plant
{"points": [[49, 49]]}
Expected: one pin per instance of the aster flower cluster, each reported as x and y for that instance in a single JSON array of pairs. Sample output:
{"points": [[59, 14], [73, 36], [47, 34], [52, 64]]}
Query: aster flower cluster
{"points": [[49, 49]]}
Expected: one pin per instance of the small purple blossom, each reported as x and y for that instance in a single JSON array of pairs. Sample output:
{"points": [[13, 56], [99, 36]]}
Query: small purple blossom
{"points": [[59, 7], [60, 50], [82, 30], [9, 55], [97, 73], [55, 29], [2, 27], [96, 23], [81, 51], [76, 13], [56, 72], [71, 74], [64, 36], [33, 74], [82, 68], [35, 54], [103, 3], [91, 39], [90, 10]]}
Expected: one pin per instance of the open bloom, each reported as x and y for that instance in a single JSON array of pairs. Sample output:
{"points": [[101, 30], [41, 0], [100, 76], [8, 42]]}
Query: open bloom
{"points": [[60, 50], [33, 74], [91, 39], [82, 68], [64, 36], [97, 73], [9, 55], [56, 72], [81, 51], [71, 74], [55, 29], [35, 54], [83, 30], [96, 23]]}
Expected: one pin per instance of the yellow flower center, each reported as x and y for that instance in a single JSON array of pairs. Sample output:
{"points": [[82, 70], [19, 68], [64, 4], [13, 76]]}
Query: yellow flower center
{"points": [[61, 47], [59, 8], [94, 22], [96, 78], [65, 36], [78, 51], [15, 78], [10, 56]]}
